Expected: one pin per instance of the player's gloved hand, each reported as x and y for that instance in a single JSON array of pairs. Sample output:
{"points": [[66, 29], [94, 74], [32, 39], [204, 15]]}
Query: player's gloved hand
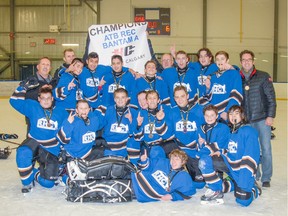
{"points": [[30, 84], [9, 136]]}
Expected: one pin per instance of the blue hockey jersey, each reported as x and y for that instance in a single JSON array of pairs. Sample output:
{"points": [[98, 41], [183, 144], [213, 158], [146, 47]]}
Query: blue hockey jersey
{"points": [[64, 97], [41, 130], [183, 126], [89, 84], [118, 131], [77, 137], [243, 155], [126, 81], [226, 90], [188, 79], [157, 179], [217, 138]]}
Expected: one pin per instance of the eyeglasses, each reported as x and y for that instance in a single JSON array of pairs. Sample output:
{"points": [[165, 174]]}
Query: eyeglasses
{"points": [[247, 60]]}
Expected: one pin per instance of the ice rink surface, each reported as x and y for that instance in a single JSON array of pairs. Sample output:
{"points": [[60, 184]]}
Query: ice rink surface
{"points": [[44, 202]]}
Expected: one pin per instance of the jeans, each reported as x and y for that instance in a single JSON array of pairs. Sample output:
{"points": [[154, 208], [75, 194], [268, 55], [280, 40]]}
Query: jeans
{"points": [[266, 151]]}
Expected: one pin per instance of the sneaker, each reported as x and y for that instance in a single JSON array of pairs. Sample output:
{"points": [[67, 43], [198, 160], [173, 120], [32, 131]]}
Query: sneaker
{"points": [[266, 184], [212, 197], [27, 188]]}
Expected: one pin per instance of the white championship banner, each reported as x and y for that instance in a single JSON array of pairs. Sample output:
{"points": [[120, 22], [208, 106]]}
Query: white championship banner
{"points": [[128, 40]]}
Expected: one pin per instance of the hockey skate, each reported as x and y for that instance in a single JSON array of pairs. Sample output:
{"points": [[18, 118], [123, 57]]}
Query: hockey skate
{"points": [[27, 189], [212, 198], [74, 171], [256, 190], [59, 182]]}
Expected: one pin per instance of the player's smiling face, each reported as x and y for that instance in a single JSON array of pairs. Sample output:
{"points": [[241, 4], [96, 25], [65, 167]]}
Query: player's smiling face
{"points": [[78, 66], [45, 100], [181, 60], [176, 162], [92, 63], [150, 69], [117, 65], [204, 59], [210, 116], [152, 100], [181, 98], [142, 100], [121, 99], [82, 110]]}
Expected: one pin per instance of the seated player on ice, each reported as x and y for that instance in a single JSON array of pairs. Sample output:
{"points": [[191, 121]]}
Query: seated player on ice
{"points": [[161, 178]]}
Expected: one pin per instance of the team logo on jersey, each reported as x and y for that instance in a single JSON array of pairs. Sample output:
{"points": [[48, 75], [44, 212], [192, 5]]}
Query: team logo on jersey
{"points": [[202, 79], [113, 87], [219, 89], [122, 128], [43, 123], [232, 146], [161, 178], [191, 126], [88, 137], [147, 129], [187, 85], [91, 83]]}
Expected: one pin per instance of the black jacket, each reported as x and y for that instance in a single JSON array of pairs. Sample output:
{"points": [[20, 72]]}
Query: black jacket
{"points": [[259, 100]]}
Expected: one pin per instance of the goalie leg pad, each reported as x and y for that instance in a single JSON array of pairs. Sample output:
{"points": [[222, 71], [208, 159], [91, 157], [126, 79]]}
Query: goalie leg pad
{"points": [[103, 191]]}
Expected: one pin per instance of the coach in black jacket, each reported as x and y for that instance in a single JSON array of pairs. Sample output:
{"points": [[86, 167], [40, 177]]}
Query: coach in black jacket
{"points": [[260, 109]]}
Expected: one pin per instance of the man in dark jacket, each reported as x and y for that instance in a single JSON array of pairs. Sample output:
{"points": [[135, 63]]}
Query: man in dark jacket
{"points": [[260, 109]]}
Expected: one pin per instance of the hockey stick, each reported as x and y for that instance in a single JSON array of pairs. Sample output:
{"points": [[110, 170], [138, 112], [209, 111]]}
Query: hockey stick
{"points": [[14, 143]]}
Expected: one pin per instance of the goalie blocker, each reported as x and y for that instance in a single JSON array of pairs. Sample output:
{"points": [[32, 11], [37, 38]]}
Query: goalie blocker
{"points": [[105, 180]]}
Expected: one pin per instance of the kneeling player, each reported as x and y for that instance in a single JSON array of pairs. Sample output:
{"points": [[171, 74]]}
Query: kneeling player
{"points": [[161, 179], [41, 144], [239, 161], [78, 134]]}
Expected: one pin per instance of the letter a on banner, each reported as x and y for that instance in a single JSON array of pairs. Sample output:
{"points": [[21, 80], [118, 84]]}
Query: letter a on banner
{"points": [[128, 40]]}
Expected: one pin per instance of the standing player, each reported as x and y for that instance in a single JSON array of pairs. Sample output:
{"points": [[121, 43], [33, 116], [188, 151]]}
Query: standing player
{"points": [[41, 144], [203, 67], [151, 82], [117, 77], [68, 56], [67, 91], [92, 80], [239, 161], [224, 87], [181, 75]]}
